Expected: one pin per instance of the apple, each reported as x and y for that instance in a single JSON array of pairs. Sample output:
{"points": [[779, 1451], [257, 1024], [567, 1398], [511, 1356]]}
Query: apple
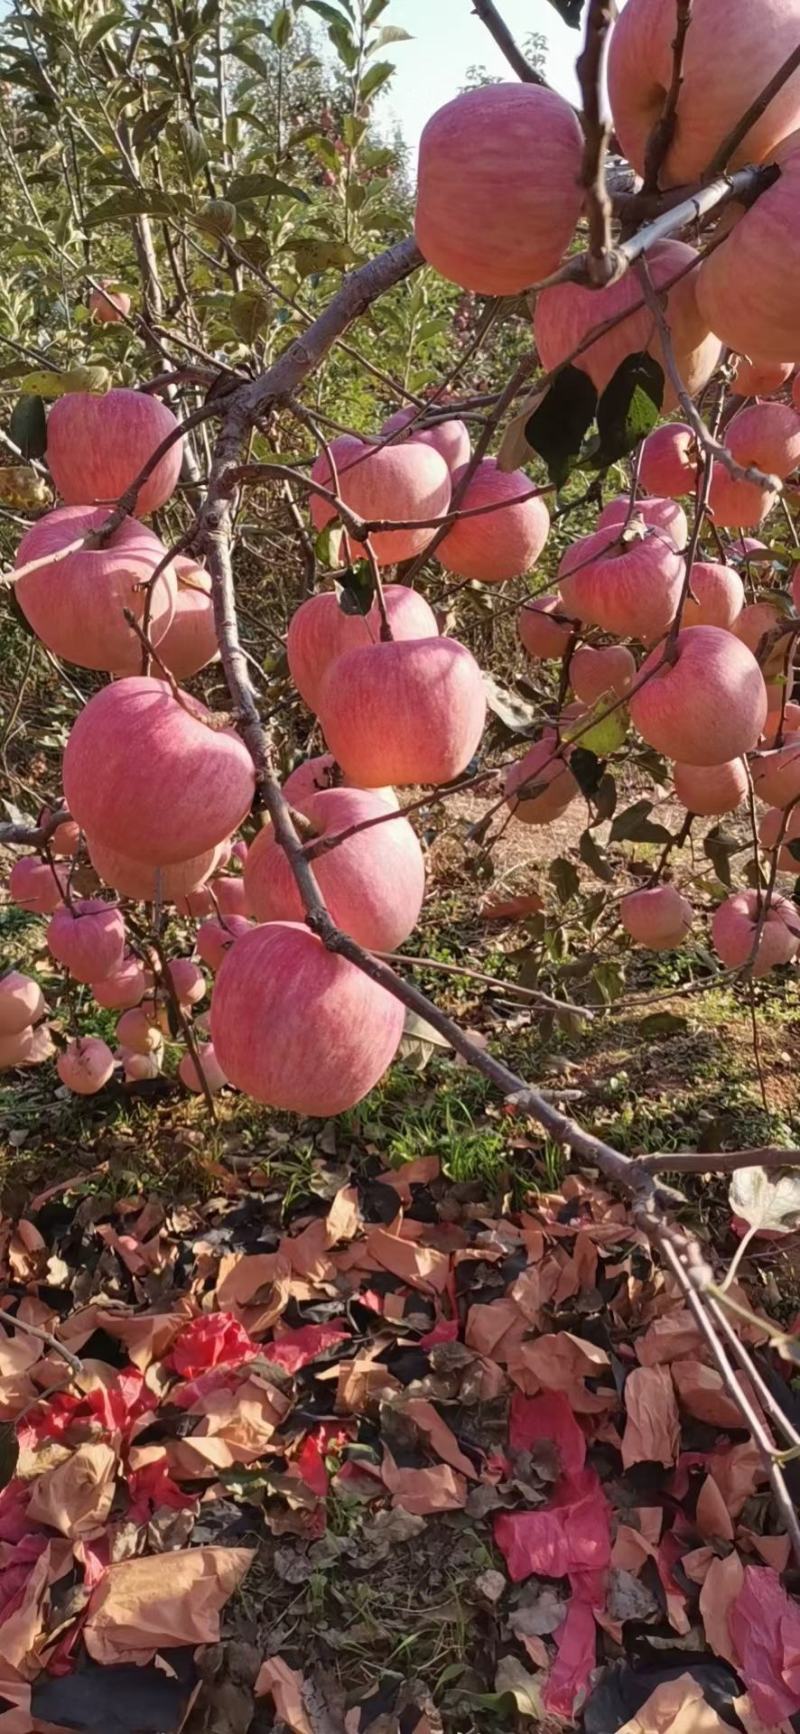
{"points": [[706, 707], [125, 988], [85, 1065], [320, 773], [544, 629], [346, 451], [754, 378], [320, 630], [66, 839], [75, 605], [449, 438], [231, 894], [190, 641], [731, 51], [566, 314], [148, 775], [766, 435], [627, 587], [109, 305], [716, 597], [139, 1031], [137, 1067], [214, 938], [407, 712], [36, 885], [96, 447], [296, 1026], [666, 516], [188, 983], [88, 939], [502, 543], [545, 782], [593, 672], [734, 927], [482, 219], [710, 790], [213, 1074], [747, 286], [27, 1047], [401, 482], [669, 464], [776, 772], [144, 883], [373, 884], [658, 918], [776, 823], [21, 1002]]}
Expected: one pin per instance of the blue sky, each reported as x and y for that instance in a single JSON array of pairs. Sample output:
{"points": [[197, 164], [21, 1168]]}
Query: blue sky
{"points": [[448, 38]]}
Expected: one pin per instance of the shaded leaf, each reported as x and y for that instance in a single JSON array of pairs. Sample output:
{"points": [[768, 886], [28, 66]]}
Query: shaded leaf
{"points": [[554, 425], [312, 256], [629, 408], [132, 202], [569, 10], [587, 770], [719, 846], [377, 75], [592, 856], [515, 712], [355, 589], [249, 313], [28, 427], [9, 1452], [635, 826], [245, 187], [389, 33], [563, 874]]}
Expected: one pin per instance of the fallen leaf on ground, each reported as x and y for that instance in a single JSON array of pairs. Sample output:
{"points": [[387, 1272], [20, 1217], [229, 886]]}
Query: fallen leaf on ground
{"points": [[144, 1605], [652, 1429], [284, 1685]]}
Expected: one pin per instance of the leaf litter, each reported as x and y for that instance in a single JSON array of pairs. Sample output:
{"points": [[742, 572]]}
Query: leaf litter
{"points": [[402, 1465]]}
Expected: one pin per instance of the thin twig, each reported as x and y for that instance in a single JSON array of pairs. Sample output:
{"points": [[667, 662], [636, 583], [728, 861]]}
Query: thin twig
{"points": [[497, 28], [739, 131], [51, 1342], [596, 122], [663, 132]]}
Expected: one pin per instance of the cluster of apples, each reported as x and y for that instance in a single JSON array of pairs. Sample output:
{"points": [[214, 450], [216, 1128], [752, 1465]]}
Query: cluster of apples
{"points": [[75, 601], [499, 191]]}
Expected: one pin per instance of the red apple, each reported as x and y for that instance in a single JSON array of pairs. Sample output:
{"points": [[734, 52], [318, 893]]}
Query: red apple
{"points": [[502, 543], [319, 773], [96, 446], [109, 305], [449, 438], [35, 885], [706, 707], [320, 630], [215, 938], [544, 628], [482, 219], [747, 287], [408, 712], [716, 597], [125, 988], [213, 1074], [669, 464], [734, 927], [75, 605], [21, 1002], [85, 1065], [760, 378], [400, 482], [373, 884], [190, 641], [296, 1026], [611, 669], [666, 516], [147, 775], [539, 786], [88, 938], [630, 588], [658, 918], [710, 790]]}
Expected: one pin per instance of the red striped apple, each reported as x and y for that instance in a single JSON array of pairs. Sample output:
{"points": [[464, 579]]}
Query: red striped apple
{"points": [[610, 669], [716, 597], [710, 790], [21, 1002], [320, 630], [482, 220], [88, 938], [658, 918], [502, 543], [75, 605], [707, 706], [669, 461], [85, 1065], [96, 447], [539, 787], [408, 712], [544, 628], [297, 1027], [190, 641], [630, 588], [734, 929]]}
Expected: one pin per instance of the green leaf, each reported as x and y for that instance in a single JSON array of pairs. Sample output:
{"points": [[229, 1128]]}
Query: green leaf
{"points": [[328, 546], [609, 980], [664, 1023], [94, 379], [102, 27], [592, 857], [564, 875], [555, 424], [191, 144], [628, 409], [246, 187], [719, 846], [353, 131], [605, 801], [150, 123], [374, 10], [250, 56], [249, 313], [280, 29], [42, 384], [378, 75], [216, 217], [607, 734], [634, 825], [132, 202], [388, 33], [311, 257], [587, 770], [331, 14], [341, 38], [28, 427], [355, 589]]}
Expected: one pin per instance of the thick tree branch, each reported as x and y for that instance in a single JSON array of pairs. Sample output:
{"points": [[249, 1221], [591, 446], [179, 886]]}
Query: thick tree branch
{"points": [[663, 132], [596, 123]]}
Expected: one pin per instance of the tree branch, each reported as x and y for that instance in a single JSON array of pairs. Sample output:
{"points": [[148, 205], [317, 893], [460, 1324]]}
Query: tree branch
{"points": [[663, 132], [734, 138], [497, 27], [596, 123]]}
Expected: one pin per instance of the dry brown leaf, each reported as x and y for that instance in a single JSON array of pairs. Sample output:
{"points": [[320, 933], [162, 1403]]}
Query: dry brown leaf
{"points": [[712, 1517], [439, 1436], [76, 1497], [702, 1394], [284, 1685], [144, 1605], [652, 1429], [724, 1582], [423, 1491], [676, 1707]]}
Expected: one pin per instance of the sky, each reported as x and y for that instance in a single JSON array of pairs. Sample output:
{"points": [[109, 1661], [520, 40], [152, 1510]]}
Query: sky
{"points": [[448, 38]]}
